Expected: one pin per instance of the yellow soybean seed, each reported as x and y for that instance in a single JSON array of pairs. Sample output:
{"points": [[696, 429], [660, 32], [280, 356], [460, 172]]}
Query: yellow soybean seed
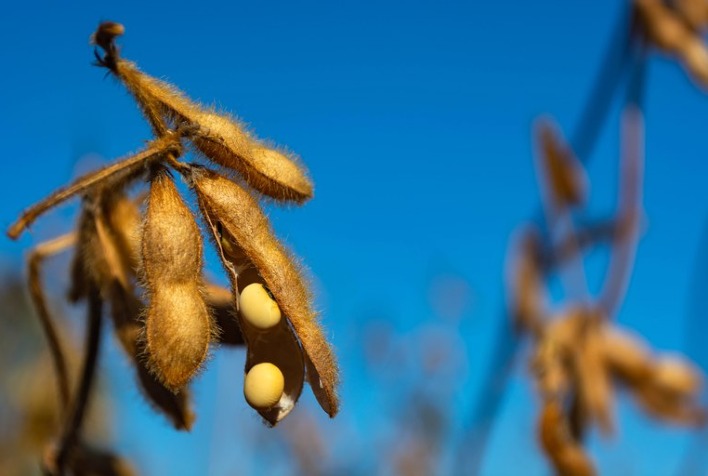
{"points": [[258, 308], [263, 385]]}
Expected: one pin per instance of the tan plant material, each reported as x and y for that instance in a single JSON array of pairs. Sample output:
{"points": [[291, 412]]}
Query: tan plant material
{"points": [[247, 244], [525, 280], [565, 178], [677, 32], [693, 12], [565, 453], [122, 258], [579, 357], [178, 326], [217, 136]]}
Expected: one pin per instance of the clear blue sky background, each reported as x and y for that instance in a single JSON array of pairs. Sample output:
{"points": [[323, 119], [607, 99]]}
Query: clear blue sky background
{"points": [[414, 120]]}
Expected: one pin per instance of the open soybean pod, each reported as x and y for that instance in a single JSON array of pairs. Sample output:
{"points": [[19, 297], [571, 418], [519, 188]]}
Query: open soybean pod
{"points": [[243, 225], [218, 137], [275, 368], [178, 326]]}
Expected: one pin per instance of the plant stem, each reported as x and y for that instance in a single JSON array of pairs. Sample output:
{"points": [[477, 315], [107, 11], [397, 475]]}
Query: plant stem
{"points": [[72, 427]]}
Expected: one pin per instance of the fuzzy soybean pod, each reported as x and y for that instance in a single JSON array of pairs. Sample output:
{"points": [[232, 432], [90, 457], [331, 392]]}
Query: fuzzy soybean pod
{"points": [[119, 231], [178, 326], [275, 367], [218, 137], [247, 228], [273, 350]]}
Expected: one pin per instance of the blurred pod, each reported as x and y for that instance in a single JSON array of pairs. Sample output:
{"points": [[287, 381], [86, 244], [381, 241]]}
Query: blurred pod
{"points": [[566, 455], [564, 176], [525, 281], [676, 376], [673, 34], [595, 386], [625, 355]]}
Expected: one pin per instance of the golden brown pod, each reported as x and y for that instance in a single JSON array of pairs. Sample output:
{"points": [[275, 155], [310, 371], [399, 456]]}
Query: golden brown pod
{"points": [[594, 382], [177, 323], [626, 355], [276, 345], [567, 455], [117, 234], [244, 224], [675, 35], [218, 137], [566, 180], [676, 376]]}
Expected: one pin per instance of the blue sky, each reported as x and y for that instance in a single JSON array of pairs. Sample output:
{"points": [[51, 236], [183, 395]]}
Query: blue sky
{"points": [[414, 120]]}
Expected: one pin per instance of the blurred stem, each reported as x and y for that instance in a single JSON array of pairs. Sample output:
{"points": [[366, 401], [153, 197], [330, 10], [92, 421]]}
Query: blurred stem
{"points": [[606, 82], [507, 341], [624, 248], [74, 422], [39, 300]]}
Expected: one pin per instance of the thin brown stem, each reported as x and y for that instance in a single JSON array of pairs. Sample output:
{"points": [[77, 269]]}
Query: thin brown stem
{"points": [[155, 150], [74, 422], [39, 300]]}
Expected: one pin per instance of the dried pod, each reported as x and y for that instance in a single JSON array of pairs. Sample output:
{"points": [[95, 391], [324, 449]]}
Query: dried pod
{"points": [[553, 361], [243, 225], [125, 222], [118, 235], [673, 35], [693, 12], [565, 453], [675, 376], [593, 379], [174, 406], [566, 180], [269, 171], [625, 355], [125, 310], [669, 408], [276, 345], [220, 138], [177, 324], [528, 298]]}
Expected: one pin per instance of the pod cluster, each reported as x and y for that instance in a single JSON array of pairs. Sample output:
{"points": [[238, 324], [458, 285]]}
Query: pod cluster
{"points": [[143, 255], [580, 359]]}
